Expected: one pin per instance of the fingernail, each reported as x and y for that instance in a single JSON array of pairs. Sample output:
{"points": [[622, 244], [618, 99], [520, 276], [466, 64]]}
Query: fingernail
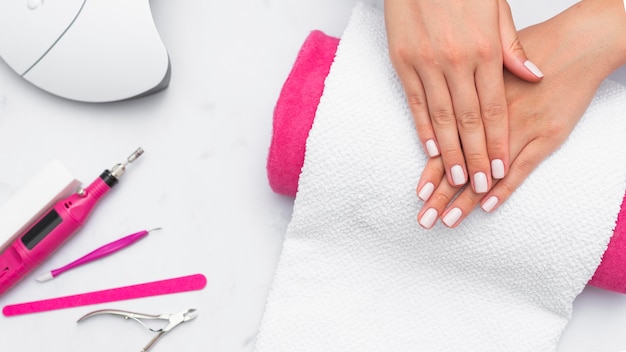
{"points": [[431, 148], [480, 182], [458, 176], [426, 191], [497, 169], [429, 218], [452, 217], [533, 68], [490, 204]]}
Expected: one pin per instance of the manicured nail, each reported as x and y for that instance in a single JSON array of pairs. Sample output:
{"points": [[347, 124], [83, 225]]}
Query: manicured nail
{"points": [[480, 182], [490, 204], [429, 218], [533, 68], [452, 217], [426, 191], [431, 148], [497, 169], [458, 176]]}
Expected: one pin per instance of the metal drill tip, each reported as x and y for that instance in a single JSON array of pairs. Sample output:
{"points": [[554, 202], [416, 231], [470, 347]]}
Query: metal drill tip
{"points": [[118, 170], [137, 153]]}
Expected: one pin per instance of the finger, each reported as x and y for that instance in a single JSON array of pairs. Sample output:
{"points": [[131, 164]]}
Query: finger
{"points": [[493, 107], [513, 53], [471, 130], [416, 100], [428, 215], [528, 156], [431, 177], [460, 207], [527, 160], [445, 127]]}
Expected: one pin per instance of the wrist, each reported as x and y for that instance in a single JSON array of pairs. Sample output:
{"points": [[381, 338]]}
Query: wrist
{"points": [[603, 29]]}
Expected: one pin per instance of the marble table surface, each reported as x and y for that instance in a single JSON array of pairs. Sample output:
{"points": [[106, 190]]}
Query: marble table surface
{"points": [[202, 179]]}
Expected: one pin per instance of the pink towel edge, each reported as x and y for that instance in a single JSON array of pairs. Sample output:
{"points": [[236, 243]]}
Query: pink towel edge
{"points": [[293, 118], [295, 111]]}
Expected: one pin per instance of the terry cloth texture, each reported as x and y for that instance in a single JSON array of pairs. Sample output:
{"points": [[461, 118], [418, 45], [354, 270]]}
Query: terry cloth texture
{"points": [[357, 273], [293, 118]]}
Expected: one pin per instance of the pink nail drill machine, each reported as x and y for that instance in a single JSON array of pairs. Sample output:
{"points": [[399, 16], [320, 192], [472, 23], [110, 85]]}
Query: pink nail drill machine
{"points": [[46, 234]]}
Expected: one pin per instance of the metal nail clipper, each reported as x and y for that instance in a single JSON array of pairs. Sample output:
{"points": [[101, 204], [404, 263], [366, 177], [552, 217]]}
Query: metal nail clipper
{"points": [[173, 319]]}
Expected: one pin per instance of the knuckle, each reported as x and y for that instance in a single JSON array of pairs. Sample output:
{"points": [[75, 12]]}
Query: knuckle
{"points": [[441, 199], [493, 112], [468, 199], [524, 166], [487, 51], [469, 120], [408, 55], [506, 189], [455, 57], [476, 159], [416, 101], [443, 117], [453, 153], [400, 53], [516, 47], [495, 148]]}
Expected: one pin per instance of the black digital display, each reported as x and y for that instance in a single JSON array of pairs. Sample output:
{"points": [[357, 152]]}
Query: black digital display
{"points": [[41, 229]]}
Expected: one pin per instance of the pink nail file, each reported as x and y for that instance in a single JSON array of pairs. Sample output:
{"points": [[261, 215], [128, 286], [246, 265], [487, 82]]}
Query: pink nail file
{"points": [[155, 288]]}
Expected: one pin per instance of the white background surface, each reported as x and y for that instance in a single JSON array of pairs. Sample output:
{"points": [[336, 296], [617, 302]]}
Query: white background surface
{"points": [[202, 178]]}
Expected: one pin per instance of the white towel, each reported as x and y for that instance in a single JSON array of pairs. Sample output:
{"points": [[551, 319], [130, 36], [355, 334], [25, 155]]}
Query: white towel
{"points": [[357, 273]]}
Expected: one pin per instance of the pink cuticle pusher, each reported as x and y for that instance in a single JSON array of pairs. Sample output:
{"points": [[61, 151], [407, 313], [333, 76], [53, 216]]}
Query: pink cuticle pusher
{"points": [[103, 251]]}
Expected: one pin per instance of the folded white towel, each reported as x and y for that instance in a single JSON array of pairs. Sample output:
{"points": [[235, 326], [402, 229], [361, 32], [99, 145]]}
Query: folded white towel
{"points": [[357, 273]]}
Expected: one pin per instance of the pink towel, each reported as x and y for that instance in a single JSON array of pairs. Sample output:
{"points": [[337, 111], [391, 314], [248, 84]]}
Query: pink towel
{"points": [[295, 111], [293, 117]]}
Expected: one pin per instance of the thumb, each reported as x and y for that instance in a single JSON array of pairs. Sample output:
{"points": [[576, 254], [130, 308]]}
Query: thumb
{"points": [[513, 54]]}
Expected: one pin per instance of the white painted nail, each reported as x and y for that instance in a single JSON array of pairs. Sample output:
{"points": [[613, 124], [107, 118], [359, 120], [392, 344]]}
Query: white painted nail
{"points": [[480, 182], [429, 218], [452, 217], [497, 169], [458, 176], [533, 68], [490, 204], [431, 148], [426, 191]]}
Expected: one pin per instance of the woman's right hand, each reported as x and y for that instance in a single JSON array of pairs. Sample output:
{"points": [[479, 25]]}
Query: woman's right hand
{"points": [[449, 55]]}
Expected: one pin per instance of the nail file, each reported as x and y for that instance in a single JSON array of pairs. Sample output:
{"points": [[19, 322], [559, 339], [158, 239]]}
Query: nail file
{"points": [[155, 288]]}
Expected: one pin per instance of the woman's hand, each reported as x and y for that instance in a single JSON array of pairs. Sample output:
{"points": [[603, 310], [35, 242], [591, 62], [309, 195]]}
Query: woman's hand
{"points": [[449, 56], [577, 49]]}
